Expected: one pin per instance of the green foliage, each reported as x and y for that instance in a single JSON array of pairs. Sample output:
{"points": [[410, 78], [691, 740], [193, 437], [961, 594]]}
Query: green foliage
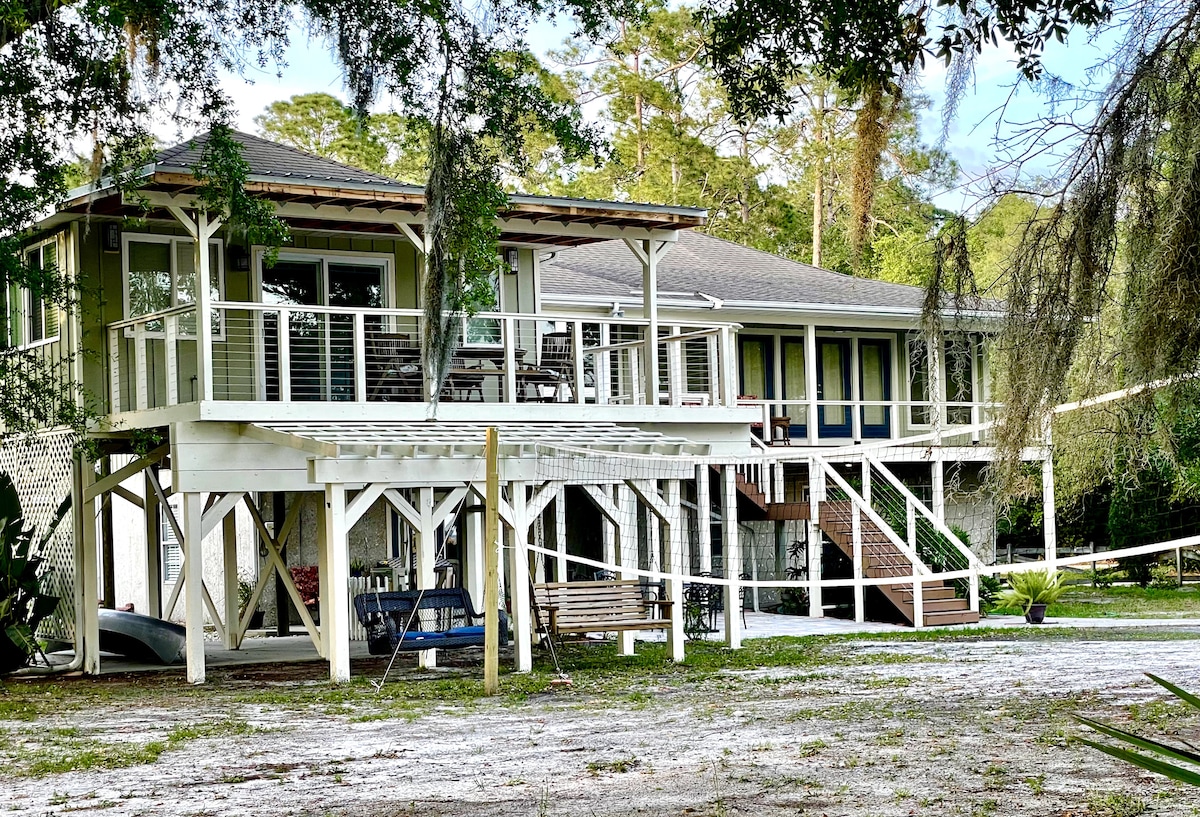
{"points": [[990, 588], [319, 123], [1031, 587], [1180, 763], [23, 605]]}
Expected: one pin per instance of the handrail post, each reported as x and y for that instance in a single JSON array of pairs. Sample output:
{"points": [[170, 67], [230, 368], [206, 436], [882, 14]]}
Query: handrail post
{"points": [[816, 495], [918, 599], [602, 361], [577, 359], [728, 368], [973, 588], [139, 366], [285, 356], [360, 357], [171, 353], [116, 404], [856, 539], [508, 336]]}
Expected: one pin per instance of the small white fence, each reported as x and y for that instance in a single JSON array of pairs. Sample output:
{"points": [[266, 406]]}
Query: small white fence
{"points": [[364, 584]]}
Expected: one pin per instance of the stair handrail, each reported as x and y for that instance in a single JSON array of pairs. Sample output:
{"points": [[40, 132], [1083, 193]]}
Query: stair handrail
{"points": [[919, 567], [923, 509]]}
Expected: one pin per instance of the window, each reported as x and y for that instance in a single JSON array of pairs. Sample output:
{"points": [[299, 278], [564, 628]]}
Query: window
{"points": [[485, 331], [957, 378], [32, 318], [160, 273]]}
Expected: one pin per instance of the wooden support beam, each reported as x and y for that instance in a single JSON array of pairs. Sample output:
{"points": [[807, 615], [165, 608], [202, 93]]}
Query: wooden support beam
{"points": [[229, 564], [87, 637], [426, 558], [272, 545], [674, 566], [362, 502], [626, 529], [105, 485]]}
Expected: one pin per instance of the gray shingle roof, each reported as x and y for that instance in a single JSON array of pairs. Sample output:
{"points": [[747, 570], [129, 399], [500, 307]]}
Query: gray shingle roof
{"points": [[268, 158], [725, 270]]}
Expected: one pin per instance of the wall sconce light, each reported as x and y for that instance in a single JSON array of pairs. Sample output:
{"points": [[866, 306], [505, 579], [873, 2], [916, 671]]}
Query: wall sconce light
{"points": [[512, 258], [112, 236], [240, 258]]}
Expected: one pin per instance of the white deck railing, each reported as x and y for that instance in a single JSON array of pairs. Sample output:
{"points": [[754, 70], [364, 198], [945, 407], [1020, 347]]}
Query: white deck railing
{"points": [[263, 352], [784, 422]]}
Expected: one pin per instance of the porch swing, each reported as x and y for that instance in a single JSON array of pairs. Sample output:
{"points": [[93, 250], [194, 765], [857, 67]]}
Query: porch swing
{"points": [[425, 619]]}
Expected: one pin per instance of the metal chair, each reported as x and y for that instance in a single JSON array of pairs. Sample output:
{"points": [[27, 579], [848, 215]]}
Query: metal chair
{"points": [[393, 368]]}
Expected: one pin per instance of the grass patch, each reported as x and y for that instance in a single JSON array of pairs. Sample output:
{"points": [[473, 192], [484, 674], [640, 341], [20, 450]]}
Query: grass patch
{"points": [[1085, 601], [1115, 804], [620, 766]]}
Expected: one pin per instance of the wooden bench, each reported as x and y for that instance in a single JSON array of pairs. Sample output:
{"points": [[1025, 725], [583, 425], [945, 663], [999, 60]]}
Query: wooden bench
{"points": [[575, 608], [436, 618]]}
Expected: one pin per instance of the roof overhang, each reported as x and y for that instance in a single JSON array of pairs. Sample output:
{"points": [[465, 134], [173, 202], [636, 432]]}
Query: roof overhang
{"points": [[344, 206]]}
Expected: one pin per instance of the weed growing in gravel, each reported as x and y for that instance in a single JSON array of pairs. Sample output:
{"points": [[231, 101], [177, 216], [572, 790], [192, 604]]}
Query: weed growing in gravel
{"points": [[1115, 804], [1036, 783], [620, 766]]}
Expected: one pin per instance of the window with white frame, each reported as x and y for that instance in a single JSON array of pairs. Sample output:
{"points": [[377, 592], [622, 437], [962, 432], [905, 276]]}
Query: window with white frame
{"points": [[160, 274], [32, 318], [485, 331], [956, 378]]}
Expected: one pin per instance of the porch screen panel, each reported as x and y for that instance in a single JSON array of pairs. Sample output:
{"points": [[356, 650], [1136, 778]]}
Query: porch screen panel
{"points": [[754, 368], [918, 380], [295, 283], [356, 286], [833, 369], [960, 380], [873, 383], [149, 280], [794, 382]]}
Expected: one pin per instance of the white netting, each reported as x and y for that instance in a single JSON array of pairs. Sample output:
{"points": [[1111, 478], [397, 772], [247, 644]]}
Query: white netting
{"points": [[41, 469]]}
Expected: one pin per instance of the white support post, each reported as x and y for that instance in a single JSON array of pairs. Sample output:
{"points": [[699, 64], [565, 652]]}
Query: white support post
{"points": [[204, 363], [154, 580], [676, 382], [704, 517], [508, 336], [857, 551], [603, 363], [473, 530], [918, 598], [729, 368], [193, 595], [323, 576], [229, 564], [626, 547], [87, 637], [140, 367], [650, 314], [336, 616], [521, 608], [674, 565], [732, 557], [810, 381], [560, 534], [426, 557], [577, 373], [1049, 519], [285, 356], [938, 474], [171, 351], [360, 357], [713, 360], [816, 495]]}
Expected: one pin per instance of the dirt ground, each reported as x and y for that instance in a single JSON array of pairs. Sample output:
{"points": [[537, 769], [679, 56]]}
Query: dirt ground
{"points": [[879, 727]]}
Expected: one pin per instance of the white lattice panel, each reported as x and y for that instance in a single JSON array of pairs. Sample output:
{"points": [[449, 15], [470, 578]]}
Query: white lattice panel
{"points": [[41, 469]]}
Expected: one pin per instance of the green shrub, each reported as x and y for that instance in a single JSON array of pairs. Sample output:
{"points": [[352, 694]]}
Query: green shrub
{"points": [[1162, 577], [989, 591], [23, 605]]}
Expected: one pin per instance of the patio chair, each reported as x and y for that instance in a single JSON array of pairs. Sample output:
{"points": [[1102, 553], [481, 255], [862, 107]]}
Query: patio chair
{"points": [[393, 368], [556, 369]]}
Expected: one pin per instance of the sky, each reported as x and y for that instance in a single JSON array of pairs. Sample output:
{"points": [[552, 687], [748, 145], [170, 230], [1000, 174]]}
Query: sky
{"points": [[972, 139]]}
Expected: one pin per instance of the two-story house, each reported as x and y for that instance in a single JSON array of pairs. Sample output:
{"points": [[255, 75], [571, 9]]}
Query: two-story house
{"points": [[669, 405]]}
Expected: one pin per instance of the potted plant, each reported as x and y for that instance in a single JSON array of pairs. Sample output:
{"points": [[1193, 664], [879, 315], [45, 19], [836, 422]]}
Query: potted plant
{"points": [[245, 591], [1032, 591], [24, 603]]}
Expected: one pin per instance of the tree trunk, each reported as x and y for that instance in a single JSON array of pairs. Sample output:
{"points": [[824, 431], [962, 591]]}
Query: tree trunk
{"points": [[818, 225]]}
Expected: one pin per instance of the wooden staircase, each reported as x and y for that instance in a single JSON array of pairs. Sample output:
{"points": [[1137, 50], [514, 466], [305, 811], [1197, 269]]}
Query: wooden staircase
{"points": [[882, 558]]}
